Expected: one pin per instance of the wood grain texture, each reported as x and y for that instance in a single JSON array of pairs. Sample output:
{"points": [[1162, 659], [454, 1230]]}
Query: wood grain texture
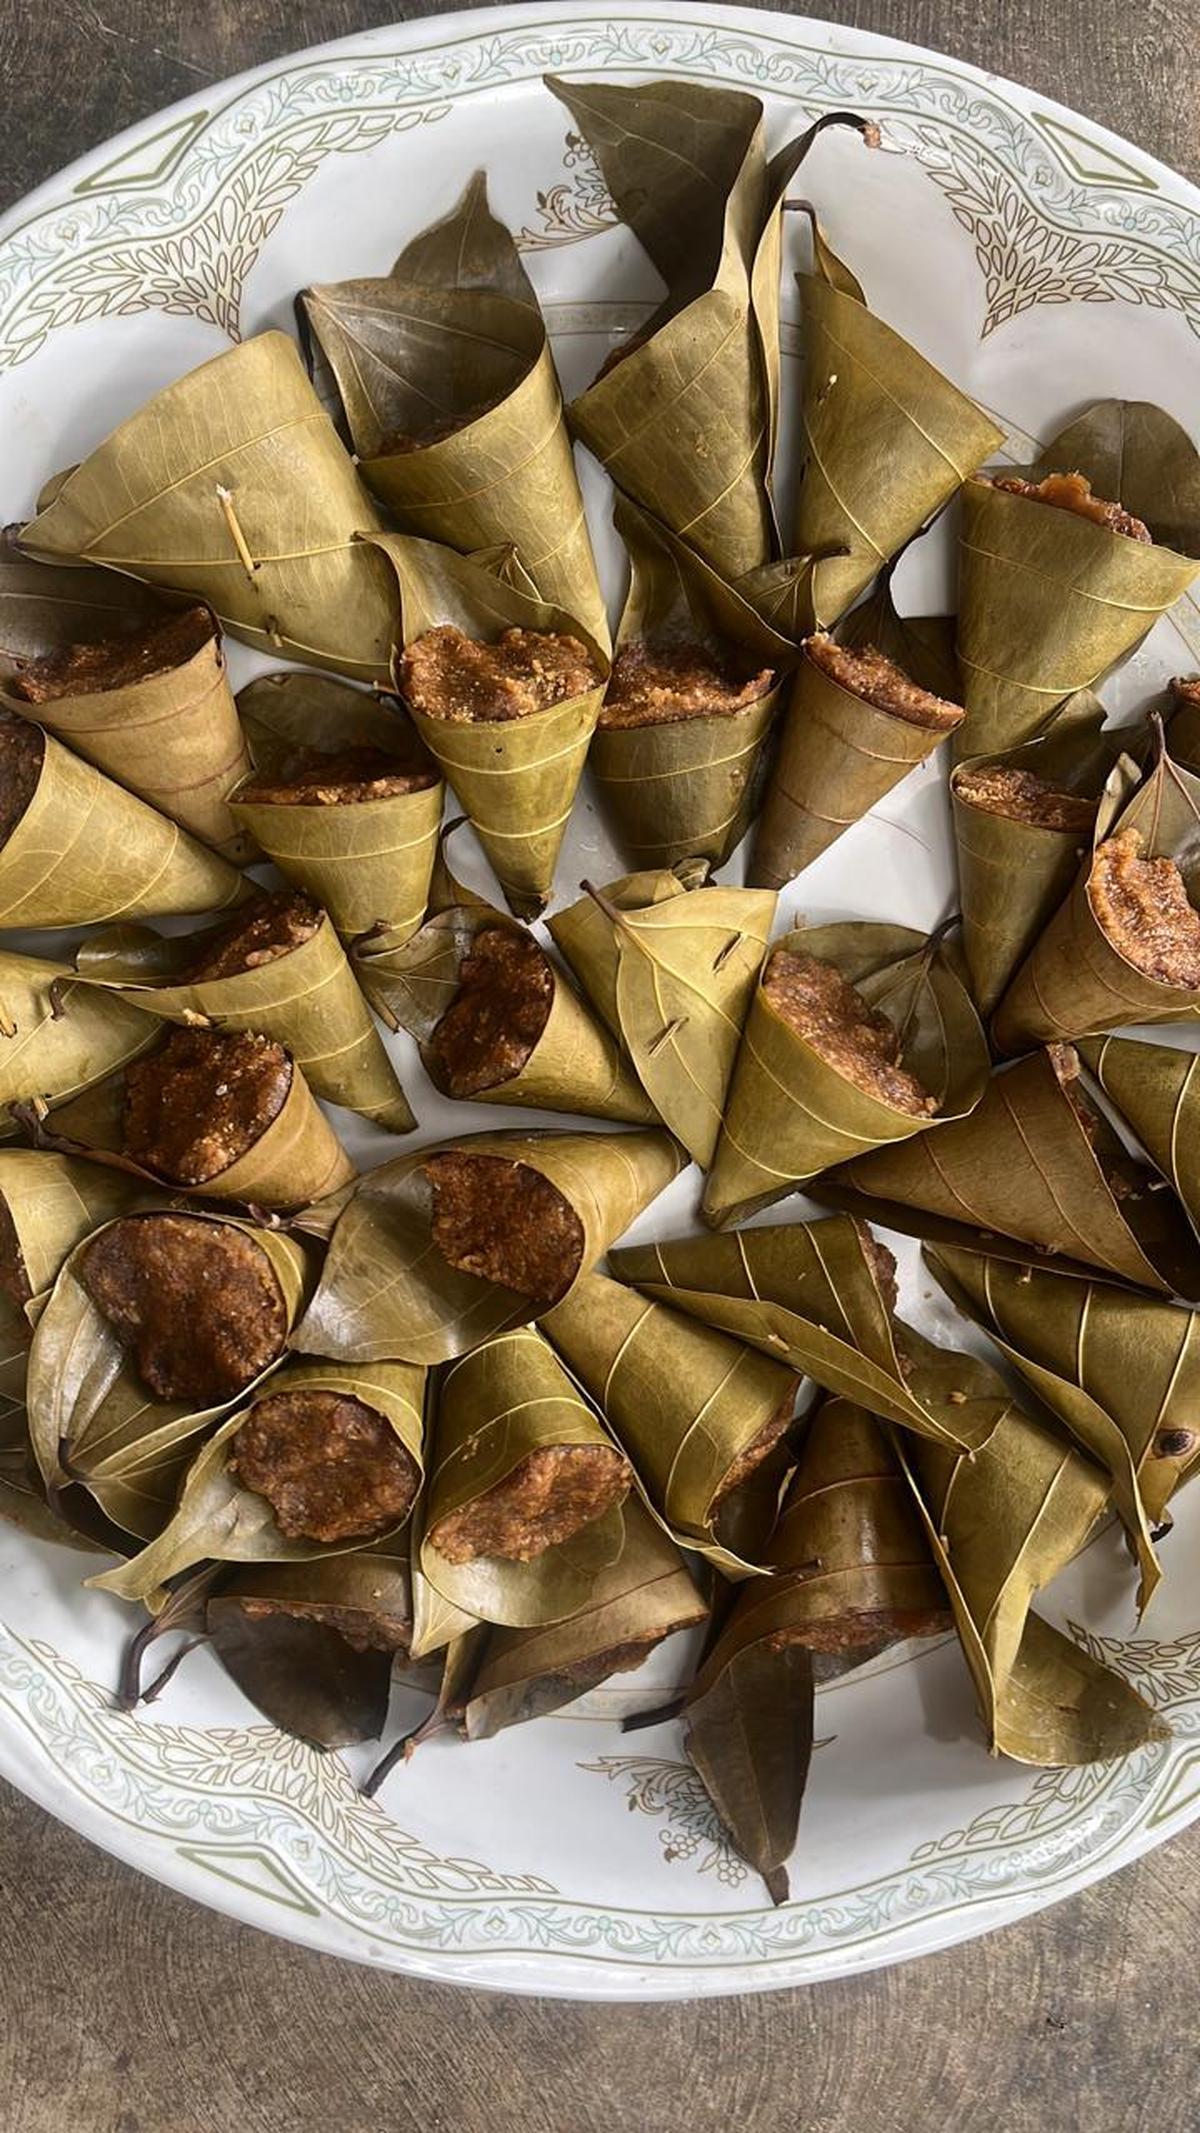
{"points": [[129, 2010]]}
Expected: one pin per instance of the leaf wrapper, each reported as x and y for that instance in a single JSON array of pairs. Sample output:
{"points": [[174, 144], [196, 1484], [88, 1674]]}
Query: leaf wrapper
{"points": [[51, 1203], [673, 975], [643, 1597], [217, 1518], [819, 1296], [449, 352], [232, 485], [505, 1400], [47, 609], [1048, 600], [1012, 876], [296, 1160], [1074, 981], [86, 850], [685, 1401], [1120, 1371], [308, 1000], [515, 778], [1156, 1090], [886, 439], [275, 1632], [1026, 1165], [1001, 1524], [791, 1114], [172, 739], [685, 788], [685, 421], [385, 1290], [91, 1418], [368, 862], [575, 1064], [58, 1036], [837, 757]]}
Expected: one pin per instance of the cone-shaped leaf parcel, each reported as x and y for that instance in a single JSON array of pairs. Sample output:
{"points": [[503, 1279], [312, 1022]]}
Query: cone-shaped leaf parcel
{"points": [[387, 1290], [57, 1035], [515, 777], [84, 849], [674, 975], [312, 1644], [792, 1112], [1100, 963], [572, 1064], [93, 1420], [367, 861], [1050, 599], [685, 786], [451, 400], [1001, 1524], [644, 1596], [308, 1000], [501, 1412], [838, 754], [820, 1296], [156, 713], [1120, 1371], [852, 1574], [886, 440], [232, 485], [684, 417], [1015, 867], [1035, 1163], [694, 1409], [219, 1519]]}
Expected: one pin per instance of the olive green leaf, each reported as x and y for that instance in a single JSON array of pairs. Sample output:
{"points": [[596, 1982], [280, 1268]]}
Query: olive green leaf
{"points": [[837, 756], [821, 1297], [686, 971], [686, 787], [684, 419], [232, 485], [1001, 1524], [749, 1737], [586, 936], [367, 861], [386, 1289], [1013, 873], [312, 1644], [791, 1113], [91, 1418], [1050, 600], [58, 1036], [219, 1519], [307, 1000], [1037, 1164], [644, 1596], [172, 738], [691, 1407], [496, 1408], [1121, 1371], [922, 645], [1075, 982], [1156, 1090], [48, 1204], [44, 609], [452, 401], [886, 440], [515, 778], [85, 850]]}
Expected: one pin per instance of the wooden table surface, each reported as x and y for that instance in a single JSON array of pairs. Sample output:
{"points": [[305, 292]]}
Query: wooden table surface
{"points": [[125, 2009]]}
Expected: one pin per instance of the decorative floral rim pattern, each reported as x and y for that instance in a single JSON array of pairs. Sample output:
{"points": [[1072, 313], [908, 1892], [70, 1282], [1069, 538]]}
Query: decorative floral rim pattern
{"points": [[173, 218]]}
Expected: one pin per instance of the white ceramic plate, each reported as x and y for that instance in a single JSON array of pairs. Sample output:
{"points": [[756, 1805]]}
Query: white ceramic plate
{"points": [[1041, 262]]}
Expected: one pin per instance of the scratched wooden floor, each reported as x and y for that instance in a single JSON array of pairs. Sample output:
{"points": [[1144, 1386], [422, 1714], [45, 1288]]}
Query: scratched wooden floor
{"points": [[124, 2009]]}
